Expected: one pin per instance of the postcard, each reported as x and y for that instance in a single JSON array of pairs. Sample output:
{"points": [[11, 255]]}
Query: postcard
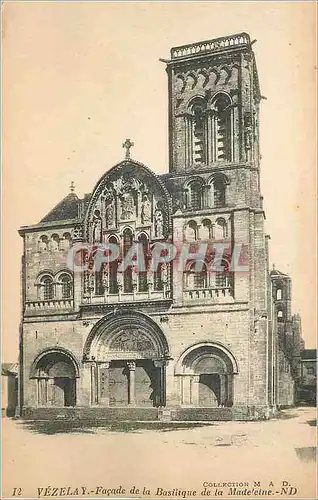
{"points": [[158, 250]]}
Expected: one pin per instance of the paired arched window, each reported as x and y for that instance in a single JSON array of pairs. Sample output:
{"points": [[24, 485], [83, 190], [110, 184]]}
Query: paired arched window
{"points": [[208, 134], [58, 287]]}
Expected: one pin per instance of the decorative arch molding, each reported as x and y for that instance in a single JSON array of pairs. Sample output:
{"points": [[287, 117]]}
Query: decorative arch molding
{"points": [[54, 350], [117, 171], [222, 93], [59, 273], [218, 177], [202, 349], [43, 274], [120, 333]]}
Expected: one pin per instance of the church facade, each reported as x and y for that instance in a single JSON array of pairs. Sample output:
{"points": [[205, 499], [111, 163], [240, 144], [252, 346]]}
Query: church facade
{"points": [[202, 331]]}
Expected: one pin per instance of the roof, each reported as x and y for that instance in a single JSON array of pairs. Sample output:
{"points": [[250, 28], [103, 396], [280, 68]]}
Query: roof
{"points": [[276, 272], [308, 354], [64, 210], [9, 368]]}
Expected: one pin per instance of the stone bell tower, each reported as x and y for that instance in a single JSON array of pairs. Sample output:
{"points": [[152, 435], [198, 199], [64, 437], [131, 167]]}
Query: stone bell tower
{"points": [[213, 104]]}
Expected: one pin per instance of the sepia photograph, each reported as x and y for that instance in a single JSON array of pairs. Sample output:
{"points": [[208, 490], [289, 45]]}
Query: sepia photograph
{"points": [[158, 250]]}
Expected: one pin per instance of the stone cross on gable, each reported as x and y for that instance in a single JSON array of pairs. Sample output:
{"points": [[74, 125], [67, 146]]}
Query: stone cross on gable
{"points": [[127, 145]]}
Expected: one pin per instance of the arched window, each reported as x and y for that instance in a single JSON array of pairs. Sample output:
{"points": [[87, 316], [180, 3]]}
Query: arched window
{"points": [[66, 283], [280, 316], [199, 147], [142, 275], [43, 243], [66, 241], [220, 229], [113, 269], [218, 192], [279, 294], [206, 230], [195, 195], [222, 127], [127, 244], [223, 278], [191, 231], [196, 279], [47, 287], [54, 242]]}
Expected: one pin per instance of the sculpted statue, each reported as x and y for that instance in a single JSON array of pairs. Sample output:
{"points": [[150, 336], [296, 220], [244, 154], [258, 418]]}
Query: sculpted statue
{"points": [[145, 210], [158, 224], [110, 212], [127, 206], [97, 227]]}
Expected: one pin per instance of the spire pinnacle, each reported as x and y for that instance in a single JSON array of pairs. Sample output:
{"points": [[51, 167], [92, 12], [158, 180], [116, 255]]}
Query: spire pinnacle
{"points": [[72, 187]]}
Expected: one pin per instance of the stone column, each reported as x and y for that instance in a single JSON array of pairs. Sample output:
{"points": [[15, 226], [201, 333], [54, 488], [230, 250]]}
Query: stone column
{"points": [[161, 382], [131, 390], [103, 383], [94, 393], [222, 390], [194, 390]]}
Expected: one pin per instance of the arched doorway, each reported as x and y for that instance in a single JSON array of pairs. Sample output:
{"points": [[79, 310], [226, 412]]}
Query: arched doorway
{"points": [[55, 372], [206, 373], [127, 353]]}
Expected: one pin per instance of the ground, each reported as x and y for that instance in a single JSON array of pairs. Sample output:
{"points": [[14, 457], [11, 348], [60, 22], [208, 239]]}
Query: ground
{"points": [[160, 459]]}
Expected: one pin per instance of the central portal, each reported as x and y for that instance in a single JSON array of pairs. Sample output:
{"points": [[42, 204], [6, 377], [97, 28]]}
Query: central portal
{"points": [[127, 353], [134, 383]]}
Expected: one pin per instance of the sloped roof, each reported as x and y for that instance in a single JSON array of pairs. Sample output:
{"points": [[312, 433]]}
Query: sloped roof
{"points": [[275, 272], [64, 210]]}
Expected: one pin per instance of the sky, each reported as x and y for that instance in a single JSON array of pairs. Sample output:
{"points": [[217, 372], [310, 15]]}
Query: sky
{"points": [[79, 78]]}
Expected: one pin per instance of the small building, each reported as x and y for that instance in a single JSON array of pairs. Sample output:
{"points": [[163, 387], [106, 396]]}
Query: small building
{"points": [[9, 388], [307, 389]]}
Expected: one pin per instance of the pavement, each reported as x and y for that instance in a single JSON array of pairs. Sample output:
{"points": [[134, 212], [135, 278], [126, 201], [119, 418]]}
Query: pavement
{"points": [[230, 459]]}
